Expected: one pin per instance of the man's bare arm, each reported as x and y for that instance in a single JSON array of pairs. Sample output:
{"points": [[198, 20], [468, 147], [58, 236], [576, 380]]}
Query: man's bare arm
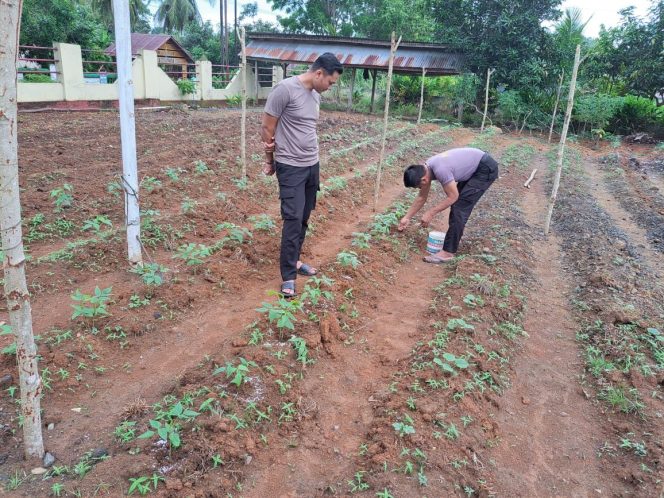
{"points": [[268, 127], [418, 203]]}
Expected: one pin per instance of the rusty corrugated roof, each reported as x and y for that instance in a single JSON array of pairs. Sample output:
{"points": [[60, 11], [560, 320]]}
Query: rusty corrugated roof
{"points": [[140, 41], [410, 57]]}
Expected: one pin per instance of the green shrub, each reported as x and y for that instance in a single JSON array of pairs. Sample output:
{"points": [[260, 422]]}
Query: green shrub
{"points": [[635, 114], [186, 86]]}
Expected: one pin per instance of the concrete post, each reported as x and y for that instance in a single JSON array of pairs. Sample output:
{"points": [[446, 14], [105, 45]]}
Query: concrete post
{"points": [[70, 67], [204, 77], [150, 65]]}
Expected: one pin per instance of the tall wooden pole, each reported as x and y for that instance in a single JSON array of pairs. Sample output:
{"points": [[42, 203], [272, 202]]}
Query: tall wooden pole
{"points": [[393, 49], [555, 107], [243, 134], [11, 235], [127, 129], [352, 88], [373, 89], [419, 113], [222, 36], [489, 72], [563, 138]]}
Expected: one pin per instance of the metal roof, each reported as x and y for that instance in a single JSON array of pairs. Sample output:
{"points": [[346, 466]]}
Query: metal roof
{"points": [[140, 41], [361, 53]]}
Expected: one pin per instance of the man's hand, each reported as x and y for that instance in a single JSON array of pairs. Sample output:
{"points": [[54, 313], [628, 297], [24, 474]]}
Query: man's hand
{"points": [[269, 146], [403, 223], [426, 219], [268, 167]]}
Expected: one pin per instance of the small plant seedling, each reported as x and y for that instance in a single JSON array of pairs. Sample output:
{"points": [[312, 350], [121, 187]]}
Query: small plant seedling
{"points": [[358, 484], [151, 273], [348, 258], [62, 197], [238, 372], [450, 360], [91, 306], [405, 427], [193, 254]]}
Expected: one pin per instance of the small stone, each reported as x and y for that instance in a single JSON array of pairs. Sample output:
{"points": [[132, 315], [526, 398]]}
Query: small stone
{"points": [[157, 315], [77, 409], [38, 471], [564, 414], [99, 453], [525, 400], [49, 459], [50, 426], [248, 459]]}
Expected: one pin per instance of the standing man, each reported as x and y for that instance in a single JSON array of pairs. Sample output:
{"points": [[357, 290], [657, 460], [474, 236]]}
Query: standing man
{"points": [[291, 149], [465, 174]]}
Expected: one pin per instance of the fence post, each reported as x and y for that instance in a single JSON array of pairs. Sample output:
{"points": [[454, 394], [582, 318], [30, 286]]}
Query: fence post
{"points": [[419, 113], [70, 67], [127, 130], [243, 135], [393, 48], [489, 72]]}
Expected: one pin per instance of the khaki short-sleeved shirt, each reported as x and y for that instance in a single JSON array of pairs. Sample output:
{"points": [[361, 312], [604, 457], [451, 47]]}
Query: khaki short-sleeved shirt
{"points": [[297, 108]]}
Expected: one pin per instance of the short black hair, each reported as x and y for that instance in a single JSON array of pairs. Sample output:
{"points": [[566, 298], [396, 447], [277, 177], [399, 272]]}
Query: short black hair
{"points": [[413, 174], [328, 63]]}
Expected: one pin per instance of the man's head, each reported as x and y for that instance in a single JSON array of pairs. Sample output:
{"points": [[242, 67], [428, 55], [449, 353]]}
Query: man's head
{"points": [[415, 176], [326, 70]]}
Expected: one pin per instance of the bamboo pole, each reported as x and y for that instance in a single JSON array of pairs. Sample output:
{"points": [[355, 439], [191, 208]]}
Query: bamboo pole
{"points": [[555, 107], [563, 138], [11, 236], [489, 72], [127, 129], [243, 134], [419, 113], [393, 49]]}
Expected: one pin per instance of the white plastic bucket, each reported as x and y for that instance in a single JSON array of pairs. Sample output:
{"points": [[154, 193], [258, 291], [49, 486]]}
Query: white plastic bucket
{"points": [[435, 242]]}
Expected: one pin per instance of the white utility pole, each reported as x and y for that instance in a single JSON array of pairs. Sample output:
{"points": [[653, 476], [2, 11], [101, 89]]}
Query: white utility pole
{"points": [[419, 112], [127, 129], [11, 240]]}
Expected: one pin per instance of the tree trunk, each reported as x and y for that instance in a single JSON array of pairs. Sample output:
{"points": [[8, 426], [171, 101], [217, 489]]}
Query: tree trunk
{"points": [[419, 113], [489, 72], [555, 107], [127, 130], [226, 36], [563, 138], [394, 47], [11, 240], [243, 131], [374, 75]]}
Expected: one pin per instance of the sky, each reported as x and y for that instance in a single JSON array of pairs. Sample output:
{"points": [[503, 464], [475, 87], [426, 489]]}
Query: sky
{"points": [[602, 11]]}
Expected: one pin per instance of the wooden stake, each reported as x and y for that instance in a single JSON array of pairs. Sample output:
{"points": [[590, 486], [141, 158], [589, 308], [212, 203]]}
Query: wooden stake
{"points": [[127, 129], [243, 132], [489, 72], [11, 237], [352, 87], [394, 47], [555, 107], [419, 113], [530, 178], [373, 90], [563, 138]]}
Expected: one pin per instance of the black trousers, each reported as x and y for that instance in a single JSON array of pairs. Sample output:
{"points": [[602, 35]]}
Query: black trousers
{"points": [[297, 190], [470, 191]]}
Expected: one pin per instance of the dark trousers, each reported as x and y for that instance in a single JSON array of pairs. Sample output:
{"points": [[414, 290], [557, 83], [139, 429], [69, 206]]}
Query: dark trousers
{"points": [[470, 192], [297, 190]]}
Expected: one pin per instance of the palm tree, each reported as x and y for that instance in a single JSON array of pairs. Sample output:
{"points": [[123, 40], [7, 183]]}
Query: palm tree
{"points": [[174, 15], [569, 30], [137, 9]]}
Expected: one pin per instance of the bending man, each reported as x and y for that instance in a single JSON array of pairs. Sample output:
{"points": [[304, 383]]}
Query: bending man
{"points": [[465, 174], [291, 148]]}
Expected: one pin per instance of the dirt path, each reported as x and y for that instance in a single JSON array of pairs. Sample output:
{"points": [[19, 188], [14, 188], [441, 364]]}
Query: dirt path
{"points": [[549, 427], [622, 219]]}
